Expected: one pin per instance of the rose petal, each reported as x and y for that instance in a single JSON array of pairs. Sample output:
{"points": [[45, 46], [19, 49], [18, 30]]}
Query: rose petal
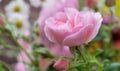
{"points": [[96, 21], [77, 38], [53, 35]]}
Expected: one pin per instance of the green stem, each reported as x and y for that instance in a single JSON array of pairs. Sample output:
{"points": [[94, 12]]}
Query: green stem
{"points": [[6, 65], [86, 57], [1, 46], [11, 47], [20, 47], [5, 45], [83, 53], [79, 55], [90, 59]]}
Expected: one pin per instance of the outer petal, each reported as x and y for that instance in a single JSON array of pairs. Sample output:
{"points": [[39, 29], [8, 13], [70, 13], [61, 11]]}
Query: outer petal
{"points": [[78, 37], [96, 21], [93, 19], [58, 50], [66, 51]]}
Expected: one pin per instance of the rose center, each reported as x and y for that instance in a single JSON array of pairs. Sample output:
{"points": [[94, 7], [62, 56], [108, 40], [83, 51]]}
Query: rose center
{"points": [[17, 8], [19, 24]]}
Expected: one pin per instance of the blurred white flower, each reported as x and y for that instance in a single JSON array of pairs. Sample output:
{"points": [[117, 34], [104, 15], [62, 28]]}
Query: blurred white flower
{"points": [[20, 23], [48, 3], [17, 6], [0, 0], [37, 3]]}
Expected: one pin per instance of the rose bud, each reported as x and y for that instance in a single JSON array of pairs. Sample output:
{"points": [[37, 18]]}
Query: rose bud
{"points": [[110, 2], [1, 22], [91, 3], [61, 64]]}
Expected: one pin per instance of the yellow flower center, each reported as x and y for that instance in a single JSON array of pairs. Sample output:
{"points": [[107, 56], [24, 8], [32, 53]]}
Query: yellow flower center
{"points": [[36, 31], [43, 0], [19, 24], [17, 8]]}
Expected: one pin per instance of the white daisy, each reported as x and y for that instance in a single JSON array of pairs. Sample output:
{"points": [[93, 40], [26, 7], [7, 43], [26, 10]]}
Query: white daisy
{"points": [[17, 6], [20, 23]]}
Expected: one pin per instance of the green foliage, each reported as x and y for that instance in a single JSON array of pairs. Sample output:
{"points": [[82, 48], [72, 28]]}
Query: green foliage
{"points": [[42, 51], [1, 68], [51, 68], [112, 67], [97, 52]]}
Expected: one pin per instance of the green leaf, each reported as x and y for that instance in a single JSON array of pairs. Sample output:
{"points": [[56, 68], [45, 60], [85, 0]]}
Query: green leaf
{"points": [[44, 52], [112, 67], [1, 68], [112, 53], [97, 52]]}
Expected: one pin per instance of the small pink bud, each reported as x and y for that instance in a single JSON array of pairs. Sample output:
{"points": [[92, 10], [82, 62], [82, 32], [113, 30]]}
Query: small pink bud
{"points": [[1, 22], [44, 64], [117, 44], [61, 64], [106, 21], [91, 3], [23, 43]]}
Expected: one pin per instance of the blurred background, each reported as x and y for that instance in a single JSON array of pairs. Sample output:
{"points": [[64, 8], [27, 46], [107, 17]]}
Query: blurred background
{"points": [[7, 54], [106, 44]]}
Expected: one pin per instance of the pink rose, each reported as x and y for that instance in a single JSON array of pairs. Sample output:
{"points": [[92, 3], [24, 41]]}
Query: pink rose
{"points": [[49, 10], [72, 28], [61, 64]]}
